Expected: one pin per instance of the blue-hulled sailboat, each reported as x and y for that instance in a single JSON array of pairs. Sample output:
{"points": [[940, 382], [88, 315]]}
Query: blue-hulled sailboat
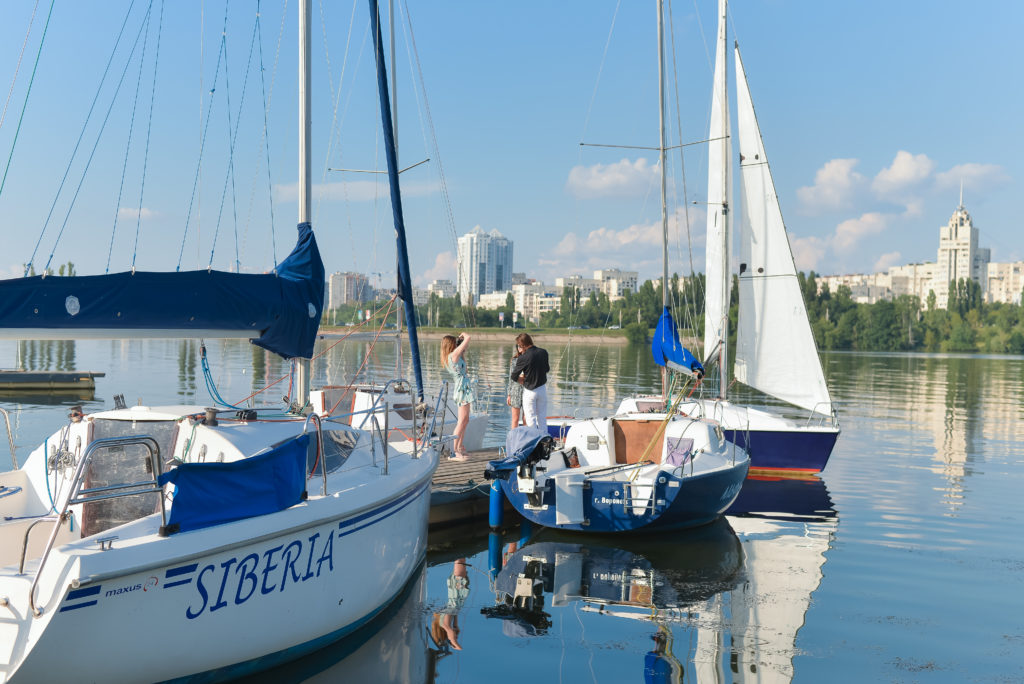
{"points": [[649, 468], [177, 542]]}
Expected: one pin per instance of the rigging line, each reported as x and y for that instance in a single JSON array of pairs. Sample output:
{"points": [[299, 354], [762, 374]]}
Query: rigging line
{"points": [[335, 96], [202, 142], [691, 316], [232, 139], [600, 70], [268, 98], [18, 67], [21, 117], [127, 149], [265, 150], [433, 131], [149, 129], [92, 153]]}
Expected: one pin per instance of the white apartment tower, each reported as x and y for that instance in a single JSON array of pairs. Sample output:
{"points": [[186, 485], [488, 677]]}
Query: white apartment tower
{"points": [[485, 264], [959, 255]]}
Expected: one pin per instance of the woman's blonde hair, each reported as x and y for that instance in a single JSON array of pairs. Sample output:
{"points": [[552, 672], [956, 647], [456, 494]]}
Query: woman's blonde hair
{"points": [[448, 345]]}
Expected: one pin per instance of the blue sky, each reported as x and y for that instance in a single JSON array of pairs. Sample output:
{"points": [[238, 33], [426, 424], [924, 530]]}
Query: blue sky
{"points": [[872, 113]]}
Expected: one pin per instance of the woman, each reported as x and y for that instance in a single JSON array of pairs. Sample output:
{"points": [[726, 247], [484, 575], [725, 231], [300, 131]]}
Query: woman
{"points": [[514, 396], [453, 360]]}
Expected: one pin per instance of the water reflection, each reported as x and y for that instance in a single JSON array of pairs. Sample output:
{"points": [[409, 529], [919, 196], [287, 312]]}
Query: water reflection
{"points": [[46, 355], [390, 648]]}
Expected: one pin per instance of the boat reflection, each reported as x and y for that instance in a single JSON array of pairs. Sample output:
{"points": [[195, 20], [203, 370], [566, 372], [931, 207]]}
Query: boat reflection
{"points": [[786, 526], [391, 648], [655, 578]]}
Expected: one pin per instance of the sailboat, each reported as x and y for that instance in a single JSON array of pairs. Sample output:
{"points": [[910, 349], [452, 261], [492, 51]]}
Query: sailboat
{"points": [[647, 468], [177, 542], [775, 350]]}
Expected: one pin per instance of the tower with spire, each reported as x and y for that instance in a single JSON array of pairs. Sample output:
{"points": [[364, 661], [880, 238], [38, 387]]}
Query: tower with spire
{"points": [[959, 255]]}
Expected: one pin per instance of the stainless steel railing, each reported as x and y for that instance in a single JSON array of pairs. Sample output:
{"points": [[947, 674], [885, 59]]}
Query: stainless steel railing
{"points": [[78, 495]]}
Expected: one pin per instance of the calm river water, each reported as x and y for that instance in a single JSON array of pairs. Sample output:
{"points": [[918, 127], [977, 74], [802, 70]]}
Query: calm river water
{"points": [[903, 562]]}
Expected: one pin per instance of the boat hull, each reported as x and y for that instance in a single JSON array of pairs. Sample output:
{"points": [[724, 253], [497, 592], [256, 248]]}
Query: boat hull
{"points": [[257, 600], [678, 502], [796, 449]]}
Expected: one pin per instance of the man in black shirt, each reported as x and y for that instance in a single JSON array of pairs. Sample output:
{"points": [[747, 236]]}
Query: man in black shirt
{"points": [[531, 371]]}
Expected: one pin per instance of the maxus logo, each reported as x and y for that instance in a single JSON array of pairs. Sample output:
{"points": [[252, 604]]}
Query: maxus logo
{"points": [[150, 583]]}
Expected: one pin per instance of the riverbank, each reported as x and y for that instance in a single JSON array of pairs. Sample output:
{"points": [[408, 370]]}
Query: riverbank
{"points": [[541, 335]]}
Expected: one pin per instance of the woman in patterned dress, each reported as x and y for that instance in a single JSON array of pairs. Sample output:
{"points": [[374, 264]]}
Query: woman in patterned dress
{"points": [[453, 360], [514, 395]]}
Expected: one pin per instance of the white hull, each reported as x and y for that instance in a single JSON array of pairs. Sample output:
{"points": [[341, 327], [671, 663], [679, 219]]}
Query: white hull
{"points": [[222, 600]]}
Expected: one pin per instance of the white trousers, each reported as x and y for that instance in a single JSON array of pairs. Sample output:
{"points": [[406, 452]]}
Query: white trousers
{"points": [[535, 407]]}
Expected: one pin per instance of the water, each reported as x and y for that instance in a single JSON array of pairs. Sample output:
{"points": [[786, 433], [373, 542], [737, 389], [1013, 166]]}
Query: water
{"points": [[903, 562]]}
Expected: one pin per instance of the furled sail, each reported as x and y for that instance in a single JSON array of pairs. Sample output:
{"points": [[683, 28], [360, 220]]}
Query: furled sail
{"points": [[278, 311], [668, 351], [775, 350], [718, 281]]}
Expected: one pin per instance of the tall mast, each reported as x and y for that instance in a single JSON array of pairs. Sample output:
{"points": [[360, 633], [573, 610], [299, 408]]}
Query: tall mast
{"points": [[301, 396], [661, 153], [394, 120], [716, 309]]}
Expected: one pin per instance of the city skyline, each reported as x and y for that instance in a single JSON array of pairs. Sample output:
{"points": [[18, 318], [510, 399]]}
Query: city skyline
{"points": [[866, 164]]}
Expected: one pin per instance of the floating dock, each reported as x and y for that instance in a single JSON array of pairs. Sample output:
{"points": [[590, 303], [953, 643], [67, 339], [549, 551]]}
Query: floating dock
{"points": [[459, 492], [11, 380]]}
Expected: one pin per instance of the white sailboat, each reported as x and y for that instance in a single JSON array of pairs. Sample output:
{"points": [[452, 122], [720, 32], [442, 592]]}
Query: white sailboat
{"points": [[775, 350], [643, 468], [165, 543]]}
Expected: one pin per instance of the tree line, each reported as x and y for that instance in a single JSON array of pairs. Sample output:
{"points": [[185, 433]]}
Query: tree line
{"points": [[968, 324]]}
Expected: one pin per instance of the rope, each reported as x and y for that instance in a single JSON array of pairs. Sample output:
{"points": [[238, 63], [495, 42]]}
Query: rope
{"points": [[149, 128], [211, 386], [24, 105], [355, 329], [21, 54]]}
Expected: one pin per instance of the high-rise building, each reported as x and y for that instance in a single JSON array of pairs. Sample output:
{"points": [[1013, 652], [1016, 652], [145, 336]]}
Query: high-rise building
{"points": [[485, 264], [959, 255], [347, 288]]}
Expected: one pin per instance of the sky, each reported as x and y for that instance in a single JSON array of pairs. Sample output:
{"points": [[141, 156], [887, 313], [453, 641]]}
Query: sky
{"points": [[873, 114]]}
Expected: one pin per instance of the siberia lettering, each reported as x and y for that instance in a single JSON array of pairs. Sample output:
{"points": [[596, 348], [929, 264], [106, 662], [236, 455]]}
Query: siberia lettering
{"points": [[235, 581]]}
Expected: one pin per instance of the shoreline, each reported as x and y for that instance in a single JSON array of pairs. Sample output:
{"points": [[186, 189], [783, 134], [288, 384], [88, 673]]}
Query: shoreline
{"points": [[613, 337]]}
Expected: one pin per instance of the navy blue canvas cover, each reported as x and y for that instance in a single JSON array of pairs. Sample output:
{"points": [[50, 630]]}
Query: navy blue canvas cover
{"points": [[519, 444], [281, 310], [209, 494], [667, 350]]}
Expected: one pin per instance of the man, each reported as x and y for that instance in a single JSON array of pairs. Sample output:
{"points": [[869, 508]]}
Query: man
{"points": [[531, 371]]}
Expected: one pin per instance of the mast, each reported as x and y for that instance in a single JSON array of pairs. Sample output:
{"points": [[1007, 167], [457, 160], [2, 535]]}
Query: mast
{"points": [[661, 153], [394, 118], [716, 310], [404, 278], [301, 397]]}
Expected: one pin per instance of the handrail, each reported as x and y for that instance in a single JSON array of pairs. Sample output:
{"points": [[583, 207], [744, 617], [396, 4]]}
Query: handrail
{"points": [[375, 432], [383, 391], [10, 438], [77, 495], [437, 409], [319, 446], [24, 542]]}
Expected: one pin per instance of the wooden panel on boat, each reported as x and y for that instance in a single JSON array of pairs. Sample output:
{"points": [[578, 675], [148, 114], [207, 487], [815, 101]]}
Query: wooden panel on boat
{"points": [[632, 438]]}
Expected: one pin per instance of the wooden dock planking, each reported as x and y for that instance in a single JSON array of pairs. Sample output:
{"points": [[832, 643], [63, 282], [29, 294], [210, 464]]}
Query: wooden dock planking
{"points": [[459, 492]]}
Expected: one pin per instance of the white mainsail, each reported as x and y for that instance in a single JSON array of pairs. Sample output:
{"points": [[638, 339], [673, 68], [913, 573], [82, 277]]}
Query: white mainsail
{"points": [[775, 350], [716, 289]]}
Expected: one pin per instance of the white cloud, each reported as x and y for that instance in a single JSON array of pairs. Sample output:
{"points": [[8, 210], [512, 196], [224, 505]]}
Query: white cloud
{"points": [[887, 261], [133, 213], [974, 176], [850, 232], [624, 178], [835, 185], [353, 191], [906, 172], [808, 252], [443, 269]]}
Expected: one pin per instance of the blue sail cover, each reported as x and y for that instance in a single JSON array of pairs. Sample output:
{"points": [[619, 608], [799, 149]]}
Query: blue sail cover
{"points": [[667, 350], [209, 494], [279, 312]]}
